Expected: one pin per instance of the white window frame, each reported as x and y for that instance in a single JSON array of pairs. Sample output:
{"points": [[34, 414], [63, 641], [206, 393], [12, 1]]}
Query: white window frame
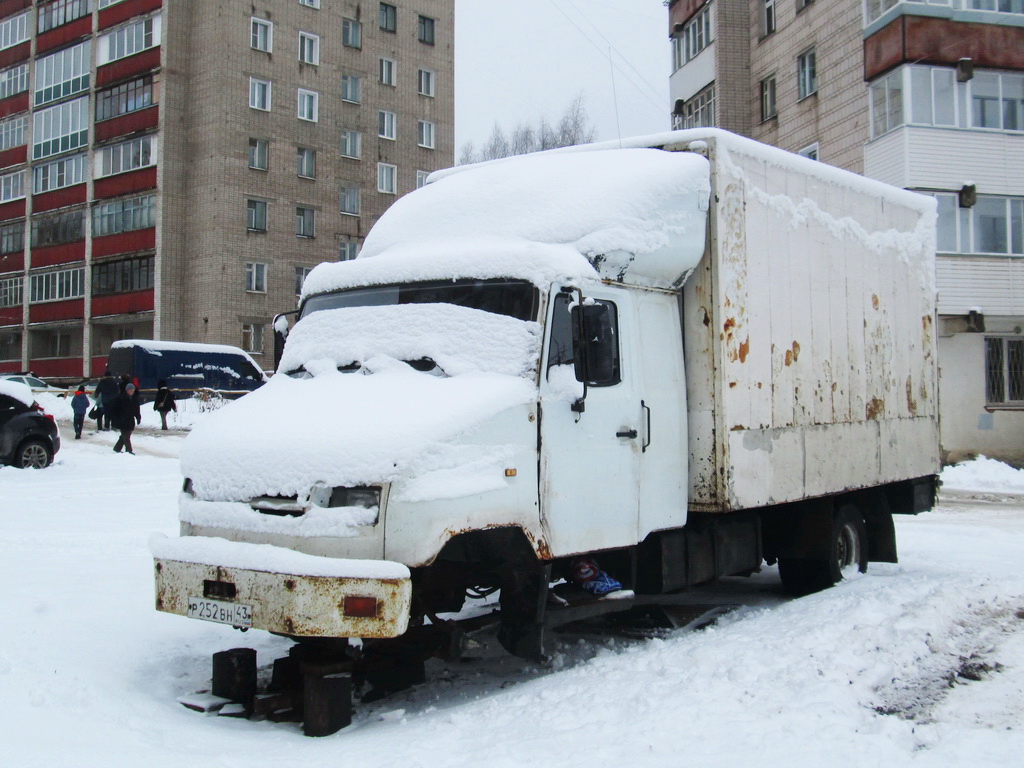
{"points": [[253, 333], [699, 112], [255, 277], [13, 132], [387, 178], [811, 151], [13, 81], [301, 273], [310, 3], [348, 249], [352, 89], [260, 94], [305, 221], [769, 18], [427, 134], [387, 71], [301, 156], [129, 214], [421, 178], [14, 31], [351, 143], [309, 48], [12, 291], [56, 285], [807, 74], [254, 211], [885, 98], [697, 34], [58, 174], [63, 73], [259, 150], [1001, 385], [12, 186], [427, 82], [61, 128], [308, 105], [126, 156], [769, 98], [351, 33], [387, 125], [128, 40], [261, 34], [350, 199]]}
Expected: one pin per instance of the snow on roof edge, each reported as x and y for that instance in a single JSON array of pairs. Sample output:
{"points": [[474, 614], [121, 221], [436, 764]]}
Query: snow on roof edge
{"points": [[182, 346]]}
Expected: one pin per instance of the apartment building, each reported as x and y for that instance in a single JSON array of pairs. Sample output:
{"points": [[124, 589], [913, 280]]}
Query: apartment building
{"points": [[172, 169], [923, 94]]}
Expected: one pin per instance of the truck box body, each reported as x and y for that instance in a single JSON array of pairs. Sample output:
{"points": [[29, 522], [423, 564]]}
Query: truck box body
{"points": [[186, 367], [681, 355]]}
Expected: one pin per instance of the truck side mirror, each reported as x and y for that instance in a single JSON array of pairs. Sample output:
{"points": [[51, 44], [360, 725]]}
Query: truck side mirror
{"points": [[595, 344]]}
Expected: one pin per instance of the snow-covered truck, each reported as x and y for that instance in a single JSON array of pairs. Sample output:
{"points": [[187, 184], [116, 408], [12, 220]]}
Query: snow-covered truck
{"points": [[670, 360]]}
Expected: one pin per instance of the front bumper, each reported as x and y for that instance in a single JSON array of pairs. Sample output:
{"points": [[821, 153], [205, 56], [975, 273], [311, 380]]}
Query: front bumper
{"points": [[289, 593]]}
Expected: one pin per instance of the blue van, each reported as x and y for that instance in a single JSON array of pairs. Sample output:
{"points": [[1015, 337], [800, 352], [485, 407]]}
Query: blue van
{"points": [[186, 367]]}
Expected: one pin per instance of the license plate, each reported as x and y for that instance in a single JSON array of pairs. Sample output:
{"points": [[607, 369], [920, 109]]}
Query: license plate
{"points": [[235, 614]]}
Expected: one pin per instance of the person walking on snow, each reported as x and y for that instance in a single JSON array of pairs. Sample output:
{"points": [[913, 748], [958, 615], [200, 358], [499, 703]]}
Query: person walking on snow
{"points": [[106, 394], [164, 402], [80, 405], [126, 416]]}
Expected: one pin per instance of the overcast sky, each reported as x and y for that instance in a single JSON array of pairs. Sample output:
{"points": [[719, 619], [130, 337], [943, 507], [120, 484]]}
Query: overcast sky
{"points": [[522, 60]]}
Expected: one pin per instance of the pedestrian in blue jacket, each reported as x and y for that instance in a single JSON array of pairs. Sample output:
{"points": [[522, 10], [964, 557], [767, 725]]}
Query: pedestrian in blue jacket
{"points": [[80, 405]]}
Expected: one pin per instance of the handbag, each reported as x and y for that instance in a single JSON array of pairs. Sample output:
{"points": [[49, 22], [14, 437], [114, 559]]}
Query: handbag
{"points": [[94, 412]]}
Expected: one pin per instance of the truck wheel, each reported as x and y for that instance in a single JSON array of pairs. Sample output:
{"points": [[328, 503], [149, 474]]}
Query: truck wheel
{"points": [[848, 555], [33, 454]]}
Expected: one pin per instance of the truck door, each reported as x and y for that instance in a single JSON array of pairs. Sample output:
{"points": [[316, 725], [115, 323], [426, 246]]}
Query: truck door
{"points": [[590, 459]]}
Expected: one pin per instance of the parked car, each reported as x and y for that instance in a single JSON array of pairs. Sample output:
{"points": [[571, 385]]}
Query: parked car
{"points": [[35, 384], [28, 435]]}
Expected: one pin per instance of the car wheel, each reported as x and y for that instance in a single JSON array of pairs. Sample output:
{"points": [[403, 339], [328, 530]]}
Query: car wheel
{"points": [[33, 454], [848, 555]]}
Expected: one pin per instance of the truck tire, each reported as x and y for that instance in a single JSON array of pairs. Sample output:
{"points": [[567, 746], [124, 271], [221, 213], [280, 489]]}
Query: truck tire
{"points": [[33, 454], [848, 554]]}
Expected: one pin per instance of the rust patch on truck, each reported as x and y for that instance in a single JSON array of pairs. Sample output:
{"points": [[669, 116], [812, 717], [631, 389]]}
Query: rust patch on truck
{"points": [[875, 409], [911, 401], [744, 350], [793, 354], [874, 300]]}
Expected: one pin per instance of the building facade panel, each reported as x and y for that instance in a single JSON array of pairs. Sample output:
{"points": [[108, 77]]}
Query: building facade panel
{"points": [[125, 125], [13, 156], [124, 242], [58, 254], [123, 303], [71, 309], [59, 198], [115, 14], [125, 183], [64, 34], [123, 69], [12, 105]]}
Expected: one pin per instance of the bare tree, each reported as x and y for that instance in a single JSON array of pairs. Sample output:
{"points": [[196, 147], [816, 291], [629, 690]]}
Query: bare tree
{"points": [[573, 127]]}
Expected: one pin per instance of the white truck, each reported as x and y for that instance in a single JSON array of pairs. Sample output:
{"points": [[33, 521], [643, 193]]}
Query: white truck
{"points": [[677, 357]]}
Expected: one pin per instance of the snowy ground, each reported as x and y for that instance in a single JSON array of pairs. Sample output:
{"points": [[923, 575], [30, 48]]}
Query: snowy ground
{"points": [[920, 663]]}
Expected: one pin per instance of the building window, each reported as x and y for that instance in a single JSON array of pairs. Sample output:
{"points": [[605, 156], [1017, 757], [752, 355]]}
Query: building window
{"points": [[768, 20], [262, 34], [58, 228], [388, 17], [387, 72], [350, 199], [806, 74], [348, 249], [13, 80], [12, 238], [810, 151], [351, 33], [386, 124], [698, 112], [126, 215], [12, 132], [10, 294], [427, 78], [426, 134], [57, 285], [129, 40], [994, 225], [125, 98], [305, 222], [60, 12], [997, 101], [252, 333], [13, 31], [301, 273], [259, 154], [259, 94], [305, 162], [123, 276], [387, 176], [58, 174], [310, 3], [1004, 370], [61, 128], [309, 105], [932, 95], [12, 186], [351, 88], [768, 107], [309, 48], [127, 156], [63, 73], [696, 35], [425, 30], [421, 178], [351, 143], [255, 277], [256, 215], [886, 104]]}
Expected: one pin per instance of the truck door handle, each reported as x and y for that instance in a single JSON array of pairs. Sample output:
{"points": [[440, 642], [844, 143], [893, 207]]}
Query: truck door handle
{"points": [[630, 433]]}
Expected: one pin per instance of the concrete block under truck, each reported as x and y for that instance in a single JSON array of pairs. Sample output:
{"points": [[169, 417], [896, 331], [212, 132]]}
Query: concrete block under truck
{"points": [[658, 363]]}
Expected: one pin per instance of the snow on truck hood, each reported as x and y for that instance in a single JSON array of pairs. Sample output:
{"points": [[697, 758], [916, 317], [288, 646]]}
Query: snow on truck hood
{"points": [[633, 215], [371, 425]]}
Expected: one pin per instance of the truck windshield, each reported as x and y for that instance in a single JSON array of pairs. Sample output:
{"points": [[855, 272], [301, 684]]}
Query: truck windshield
{"points": [[514, 298]]}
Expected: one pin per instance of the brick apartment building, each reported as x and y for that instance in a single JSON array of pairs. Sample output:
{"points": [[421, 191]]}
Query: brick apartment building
{"points": [[927, 95], [172, 169]]}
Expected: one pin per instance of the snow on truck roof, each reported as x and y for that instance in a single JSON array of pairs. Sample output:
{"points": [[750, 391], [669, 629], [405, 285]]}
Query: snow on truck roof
{"points": [[151, 345], [637, 214]]}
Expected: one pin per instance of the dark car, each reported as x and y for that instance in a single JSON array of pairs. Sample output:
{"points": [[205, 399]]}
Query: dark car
{"points": [[28, 435]]}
